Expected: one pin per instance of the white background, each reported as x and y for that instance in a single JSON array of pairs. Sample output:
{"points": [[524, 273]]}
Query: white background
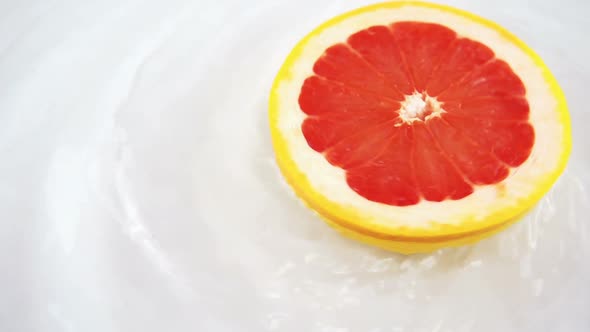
{"points": [[138, 190]]}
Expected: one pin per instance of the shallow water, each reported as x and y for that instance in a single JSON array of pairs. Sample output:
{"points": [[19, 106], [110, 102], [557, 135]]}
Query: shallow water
{"points": [[139, 191]]}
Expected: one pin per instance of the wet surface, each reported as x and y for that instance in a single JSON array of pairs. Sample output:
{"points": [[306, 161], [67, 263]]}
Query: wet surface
{"points": [[139, 191]]}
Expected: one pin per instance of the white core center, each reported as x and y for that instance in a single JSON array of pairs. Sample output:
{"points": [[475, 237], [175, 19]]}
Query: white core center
{"points": [[415, 106], [419, 107]]}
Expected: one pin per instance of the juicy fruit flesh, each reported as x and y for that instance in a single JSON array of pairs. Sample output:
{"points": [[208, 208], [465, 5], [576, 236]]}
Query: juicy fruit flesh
{"points": [[413, 111]]}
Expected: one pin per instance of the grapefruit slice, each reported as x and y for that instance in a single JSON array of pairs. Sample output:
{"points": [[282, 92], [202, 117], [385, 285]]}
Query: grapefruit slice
{"points": [[413, 126]]}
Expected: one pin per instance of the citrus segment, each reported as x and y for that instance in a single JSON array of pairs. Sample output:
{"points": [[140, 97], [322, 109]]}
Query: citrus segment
{"points": [[340, 63], [359, 149], [325, 130], [377, 46], [320, 96], [436, 176], [510, 141], [421, 45], [507, 108], [474, 161], [463, 57], [387, 178], [495, 78]]}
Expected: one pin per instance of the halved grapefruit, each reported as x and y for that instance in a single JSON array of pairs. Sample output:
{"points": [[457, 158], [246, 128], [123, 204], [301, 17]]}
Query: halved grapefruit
{"points": [[413, 126]]}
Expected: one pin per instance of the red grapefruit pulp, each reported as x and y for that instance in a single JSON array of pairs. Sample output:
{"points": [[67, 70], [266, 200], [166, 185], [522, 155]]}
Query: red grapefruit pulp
{"points": [[413, 111]]}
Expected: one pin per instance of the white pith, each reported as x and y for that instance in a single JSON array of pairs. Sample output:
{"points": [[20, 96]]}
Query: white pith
{"points": [[415, 106], [486, 200]]}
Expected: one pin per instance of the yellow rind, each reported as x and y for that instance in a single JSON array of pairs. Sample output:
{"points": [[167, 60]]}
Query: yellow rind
{"points": [[406, 239], [409, 247]]}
